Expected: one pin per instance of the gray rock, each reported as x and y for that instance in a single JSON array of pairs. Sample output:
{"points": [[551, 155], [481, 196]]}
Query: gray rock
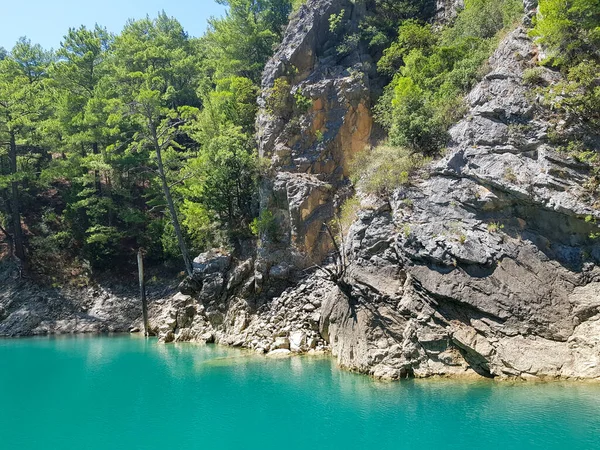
{"points": [[310, 152], [297, 341], [281, 342], [483, 268], [240, 274], [211, 262], [499, 274]]}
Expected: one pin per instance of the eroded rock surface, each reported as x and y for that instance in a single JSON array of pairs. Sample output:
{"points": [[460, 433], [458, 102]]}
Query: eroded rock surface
{"points": [[484, 268], [309, 150], [233, 315], [28, 309], [500, 275]]}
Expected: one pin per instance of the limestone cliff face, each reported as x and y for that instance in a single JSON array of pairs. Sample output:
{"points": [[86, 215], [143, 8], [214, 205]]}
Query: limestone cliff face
{"points": [[485, 267], [488, 265], [307, 151]]}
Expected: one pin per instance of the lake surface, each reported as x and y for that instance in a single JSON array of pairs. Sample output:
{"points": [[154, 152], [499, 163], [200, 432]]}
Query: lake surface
{"points": [[130, 393]]}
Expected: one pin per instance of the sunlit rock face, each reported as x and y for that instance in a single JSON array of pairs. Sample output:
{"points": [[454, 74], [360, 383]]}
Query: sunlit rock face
{"points": [[307, 151], [487, 266]]}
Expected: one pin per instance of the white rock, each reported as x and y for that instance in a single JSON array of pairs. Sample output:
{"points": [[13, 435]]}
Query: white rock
{"points": [[279, 353], [297, 340]]}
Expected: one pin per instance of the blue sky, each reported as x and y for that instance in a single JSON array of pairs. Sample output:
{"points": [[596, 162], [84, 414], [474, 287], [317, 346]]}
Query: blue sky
{"points": [[47, 21]]}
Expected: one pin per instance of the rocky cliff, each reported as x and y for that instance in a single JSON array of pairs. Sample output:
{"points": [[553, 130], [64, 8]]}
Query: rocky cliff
{"points": [[308, 151], [486, 266]]}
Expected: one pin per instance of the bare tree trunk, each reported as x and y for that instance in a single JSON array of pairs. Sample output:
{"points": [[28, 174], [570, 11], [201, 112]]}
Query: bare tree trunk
{"points": [[140, 261], [97, 183], [16, 209], [167, 192]]}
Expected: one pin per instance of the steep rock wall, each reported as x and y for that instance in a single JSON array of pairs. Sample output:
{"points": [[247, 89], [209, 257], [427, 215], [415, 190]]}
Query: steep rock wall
{"points": [[491, 261], [484, 268], [308, 152]]}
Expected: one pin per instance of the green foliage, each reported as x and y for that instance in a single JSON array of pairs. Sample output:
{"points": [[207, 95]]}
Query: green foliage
{"points": [[335, 21], [578, 95], [533, 76], [494, 227], [264, 225], [569, 33], [348, 215], [568, 30], [241, 42], [433, 71], [279, 98], [483, 19], [411, 36], [296, 4], [220, 184], [109, 124], [302, 103], [416, 124], [385, 168], [319, 135], [379, 28]]}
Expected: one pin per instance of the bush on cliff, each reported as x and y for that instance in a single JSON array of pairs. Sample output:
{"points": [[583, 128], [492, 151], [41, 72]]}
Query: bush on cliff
{"points": [[384, 168], [569, 33], [433, 71]]}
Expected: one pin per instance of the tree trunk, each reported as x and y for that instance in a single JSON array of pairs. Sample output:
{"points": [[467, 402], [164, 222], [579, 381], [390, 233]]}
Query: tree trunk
{"points": [[140, 260], [16, 209], [167, 193], [97, 183]]}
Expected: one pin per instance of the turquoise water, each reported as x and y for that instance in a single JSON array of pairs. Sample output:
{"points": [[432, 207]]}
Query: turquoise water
{"points": [[129, 393]]}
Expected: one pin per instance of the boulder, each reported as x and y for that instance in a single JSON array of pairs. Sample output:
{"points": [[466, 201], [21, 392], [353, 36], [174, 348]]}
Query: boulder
{"points": [[297, 341]]}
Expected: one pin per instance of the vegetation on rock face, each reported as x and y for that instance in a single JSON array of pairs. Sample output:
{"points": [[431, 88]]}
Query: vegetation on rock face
{"points": [[433, 70], [144, 139], [569, 31], [382, 169], [569, 35]]}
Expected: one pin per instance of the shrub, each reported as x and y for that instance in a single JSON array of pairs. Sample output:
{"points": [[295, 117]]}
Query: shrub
{"points": [[302, 103], [411, 36], [579, 94], [494, 227], [348, 214], [533, 76], [385, 168], [335, 21], [319, 136], [278, 101], [509, 175], [483, 19], [264, 225], [434, 71], [296, 4], [569, 31]]}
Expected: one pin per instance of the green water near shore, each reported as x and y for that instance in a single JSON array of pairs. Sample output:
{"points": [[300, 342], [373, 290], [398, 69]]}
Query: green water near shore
{"points": [[126, 392]]}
